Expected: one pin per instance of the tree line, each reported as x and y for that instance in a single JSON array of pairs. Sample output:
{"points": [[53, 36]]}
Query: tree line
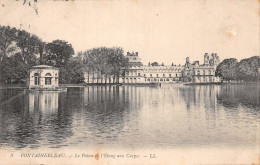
{"points": [[246, 69], [20, 50], [104, 65]]}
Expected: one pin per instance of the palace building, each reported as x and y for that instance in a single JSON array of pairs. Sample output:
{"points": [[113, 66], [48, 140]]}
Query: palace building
{"points": [[195, 73], [204, 73], [137, 73]]}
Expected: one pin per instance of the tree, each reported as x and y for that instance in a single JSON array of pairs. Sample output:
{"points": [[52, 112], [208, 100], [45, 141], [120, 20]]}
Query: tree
{"points": [[227, 69], [247, 69], [155, 64], [13, 68], [20, 49], [73, 71], [41, 51], [57, 53], [29, 46], [7, 39], [104, 62]]}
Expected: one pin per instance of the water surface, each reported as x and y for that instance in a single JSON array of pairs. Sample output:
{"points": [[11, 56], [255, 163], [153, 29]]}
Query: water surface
{"points": [[141, 117]]}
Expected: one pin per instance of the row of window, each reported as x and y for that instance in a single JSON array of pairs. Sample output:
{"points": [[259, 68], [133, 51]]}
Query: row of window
{"points": [[132, 74], [170, 75], [204, 72], [161, 79], [204, 79], [47, 79], [37, 80], [46, 75], [163, 75]]}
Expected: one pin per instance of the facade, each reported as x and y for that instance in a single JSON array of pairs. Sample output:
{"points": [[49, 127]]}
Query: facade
{"points": [[137, 73], [44, 76], [204, 73], [163, 74]]}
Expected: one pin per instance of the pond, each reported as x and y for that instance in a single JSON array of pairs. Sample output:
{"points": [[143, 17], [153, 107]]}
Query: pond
{"points": [[142, 117]]}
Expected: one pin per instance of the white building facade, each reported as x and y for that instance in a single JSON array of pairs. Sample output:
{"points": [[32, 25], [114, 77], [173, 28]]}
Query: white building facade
{"points": [[137, 73], [44, 76], [204, 73]]}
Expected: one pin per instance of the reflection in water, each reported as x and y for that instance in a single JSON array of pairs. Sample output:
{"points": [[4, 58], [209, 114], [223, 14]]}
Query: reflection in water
{"points": [[166, 116], [232, 96], [34, 120]]}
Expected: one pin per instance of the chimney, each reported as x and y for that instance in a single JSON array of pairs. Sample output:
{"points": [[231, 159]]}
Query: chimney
{"points": [[187, 59]]}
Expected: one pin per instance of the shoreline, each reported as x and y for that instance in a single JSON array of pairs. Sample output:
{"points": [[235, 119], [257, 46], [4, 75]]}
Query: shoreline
{"points": [[19, 86]]}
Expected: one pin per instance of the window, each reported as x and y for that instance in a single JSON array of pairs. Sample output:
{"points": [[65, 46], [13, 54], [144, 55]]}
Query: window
{"points": [[198, 72], [163, 75], [139, 74], [167, 79], [176, 75], [157, 75], [47, 80], [36, 79], [151, 75], [209, 72], [170, 75], [144, 75], [203, 72]]}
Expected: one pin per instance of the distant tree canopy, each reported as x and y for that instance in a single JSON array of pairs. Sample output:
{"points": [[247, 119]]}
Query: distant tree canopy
{"points": [[58, 53], [227, 69], [155, 64], [104, 62], [72, 73], [20, 50], [246, 69]]}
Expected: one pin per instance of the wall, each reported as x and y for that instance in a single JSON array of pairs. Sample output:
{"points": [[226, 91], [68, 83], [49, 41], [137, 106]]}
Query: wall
{"points": [[42, 72]]}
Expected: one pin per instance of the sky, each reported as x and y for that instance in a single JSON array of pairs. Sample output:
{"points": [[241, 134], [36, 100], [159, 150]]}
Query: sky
{"points": [[160, 30]]}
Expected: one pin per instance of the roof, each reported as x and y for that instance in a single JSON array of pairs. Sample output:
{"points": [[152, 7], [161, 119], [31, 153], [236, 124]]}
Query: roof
{"points": [[43, 67]]}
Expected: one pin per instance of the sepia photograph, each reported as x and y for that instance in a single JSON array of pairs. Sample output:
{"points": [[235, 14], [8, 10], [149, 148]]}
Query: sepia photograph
{"points": [[158, 82]]}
